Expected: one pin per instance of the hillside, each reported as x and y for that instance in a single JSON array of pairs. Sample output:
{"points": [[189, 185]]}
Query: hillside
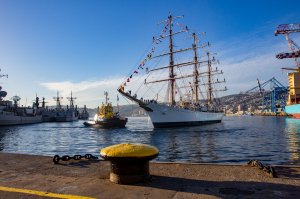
{"points": [[232, 103]]}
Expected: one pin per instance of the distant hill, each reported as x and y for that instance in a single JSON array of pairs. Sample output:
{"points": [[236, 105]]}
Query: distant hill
{"points": [[231, 102], [243, 100]]}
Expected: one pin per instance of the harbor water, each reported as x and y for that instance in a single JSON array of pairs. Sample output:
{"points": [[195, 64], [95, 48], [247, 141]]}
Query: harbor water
{"points": [[273, 140]]}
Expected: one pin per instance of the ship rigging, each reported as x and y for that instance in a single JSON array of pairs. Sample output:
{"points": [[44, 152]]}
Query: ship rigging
{"points": [[191, 84]]}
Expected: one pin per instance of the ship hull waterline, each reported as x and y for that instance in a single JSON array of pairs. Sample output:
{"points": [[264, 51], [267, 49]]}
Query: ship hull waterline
{"points": [[107, 123], [7, 120], [163, 116], [293, 110]]}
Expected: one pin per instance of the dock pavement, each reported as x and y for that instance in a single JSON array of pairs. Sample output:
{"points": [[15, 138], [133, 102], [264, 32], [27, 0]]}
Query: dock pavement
{"points": [[29, 176]]}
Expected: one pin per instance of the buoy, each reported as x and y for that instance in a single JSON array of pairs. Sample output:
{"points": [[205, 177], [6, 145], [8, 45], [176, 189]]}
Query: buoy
{"points": [[129, 162]]}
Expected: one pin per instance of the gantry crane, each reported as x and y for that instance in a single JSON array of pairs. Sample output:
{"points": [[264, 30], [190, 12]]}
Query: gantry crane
{"points": [[286, 30], [273, 94]]}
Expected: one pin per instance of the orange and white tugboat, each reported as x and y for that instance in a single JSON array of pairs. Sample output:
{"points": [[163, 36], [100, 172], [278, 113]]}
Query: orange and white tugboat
{"points": [[106, 118]]}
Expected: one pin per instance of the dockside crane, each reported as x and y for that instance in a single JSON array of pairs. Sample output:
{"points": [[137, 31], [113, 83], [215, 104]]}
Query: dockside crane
{"points": [[259, 86], [273, 94], [286, 30]]}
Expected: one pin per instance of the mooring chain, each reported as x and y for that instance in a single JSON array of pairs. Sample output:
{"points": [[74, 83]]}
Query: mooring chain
{"points": [[57, 158], [266, 168]]}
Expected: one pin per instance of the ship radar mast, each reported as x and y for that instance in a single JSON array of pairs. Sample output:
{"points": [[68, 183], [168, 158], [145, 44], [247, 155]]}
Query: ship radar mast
{"points": [[71, 99], [2, 93], [16, 99], [106, 97], [57, 99]]}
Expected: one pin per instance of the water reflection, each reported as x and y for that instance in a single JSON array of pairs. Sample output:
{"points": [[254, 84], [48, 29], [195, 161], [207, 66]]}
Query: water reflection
{"points": [[235, 140], [293, 135]]}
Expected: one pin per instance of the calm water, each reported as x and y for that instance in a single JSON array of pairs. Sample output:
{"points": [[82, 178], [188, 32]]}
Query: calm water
{"points": [[273, 140]]}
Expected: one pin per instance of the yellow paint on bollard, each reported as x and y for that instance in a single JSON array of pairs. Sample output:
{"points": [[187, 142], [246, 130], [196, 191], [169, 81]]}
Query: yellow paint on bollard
{"points": [[42, 193], [129, 150], [129, 162]]}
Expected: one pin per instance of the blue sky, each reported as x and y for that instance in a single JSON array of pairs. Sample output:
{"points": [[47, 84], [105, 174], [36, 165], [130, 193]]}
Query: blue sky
{"points": [[90, 46]]}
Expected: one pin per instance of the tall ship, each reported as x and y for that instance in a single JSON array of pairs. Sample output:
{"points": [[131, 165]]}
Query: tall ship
{"points": [[177, 86], [12, 114], [293, 102]]}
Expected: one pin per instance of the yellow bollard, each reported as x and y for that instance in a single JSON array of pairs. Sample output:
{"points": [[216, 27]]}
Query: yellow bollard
{"points": [[129, 162]]}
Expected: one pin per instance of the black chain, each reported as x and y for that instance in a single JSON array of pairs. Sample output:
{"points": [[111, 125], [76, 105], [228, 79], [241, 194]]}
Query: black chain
{"points": [[57, 158], [266, 168]]}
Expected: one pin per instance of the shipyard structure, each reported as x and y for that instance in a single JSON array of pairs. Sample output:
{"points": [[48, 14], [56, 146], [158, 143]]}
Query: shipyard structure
{"points": [[293, 102]]}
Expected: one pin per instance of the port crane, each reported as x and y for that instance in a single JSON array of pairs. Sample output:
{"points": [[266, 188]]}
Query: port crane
{"points": [[286, 30], [272, 92]]}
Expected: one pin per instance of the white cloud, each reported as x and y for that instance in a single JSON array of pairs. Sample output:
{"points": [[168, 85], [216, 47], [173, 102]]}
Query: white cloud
{"points": [[243, 61], [87, 92]]}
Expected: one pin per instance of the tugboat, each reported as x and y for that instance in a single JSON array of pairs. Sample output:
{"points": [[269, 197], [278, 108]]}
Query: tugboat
{"points": [[106, 118]]}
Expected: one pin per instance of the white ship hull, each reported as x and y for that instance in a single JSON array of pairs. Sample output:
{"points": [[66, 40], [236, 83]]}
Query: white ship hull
{"points": [[10, 119], [168, 116]]}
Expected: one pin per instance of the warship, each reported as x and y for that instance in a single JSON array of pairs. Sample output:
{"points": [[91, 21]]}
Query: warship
{"points": [[11, 113]]}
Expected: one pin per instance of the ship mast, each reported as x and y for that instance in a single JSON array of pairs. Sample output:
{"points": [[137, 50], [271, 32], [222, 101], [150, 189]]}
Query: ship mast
{"points": [[172, 77], [57, 99], [106, 97], [196, 73], [171, 66], [71, 99], [209, 94]]}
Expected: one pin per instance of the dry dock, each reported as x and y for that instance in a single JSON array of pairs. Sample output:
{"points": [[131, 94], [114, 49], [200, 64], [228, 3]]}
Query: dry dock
{"points": [[27, 176]]}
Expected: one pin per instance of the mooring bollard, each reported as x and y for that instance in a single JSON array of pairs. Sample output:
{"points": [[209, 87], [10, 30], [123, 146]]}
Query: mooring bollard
{"points": [[129, 162]]}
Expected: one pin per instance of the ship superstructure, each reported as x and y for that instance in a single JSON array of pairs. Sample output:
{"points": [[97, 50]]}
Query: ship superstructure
{"points": [[60, 114], [69, 114], [106, 117], [11, 113], [184, 91]]}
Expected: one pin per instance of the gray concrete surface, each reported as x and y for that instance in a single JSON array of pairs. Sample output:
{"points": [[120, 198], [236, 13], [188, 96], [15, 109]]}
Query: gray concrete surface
{"points": [[90, 178]]}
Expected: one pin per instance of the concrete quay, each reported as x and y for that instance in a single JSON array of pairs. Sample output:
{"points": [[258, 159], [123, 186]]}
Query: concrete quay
{"points": [[29, 176]]}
